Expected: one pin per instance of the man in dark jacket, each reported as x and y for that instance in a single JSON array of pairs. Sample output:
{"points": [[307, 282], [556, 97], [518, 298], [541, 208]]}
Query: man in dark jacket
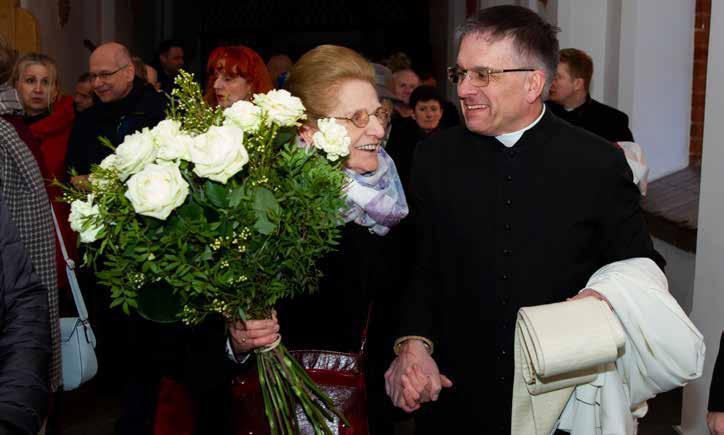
{"points": [[24, 336], [128, 345], [126, 105], [170, 58], [518, 208], [570, 99]]}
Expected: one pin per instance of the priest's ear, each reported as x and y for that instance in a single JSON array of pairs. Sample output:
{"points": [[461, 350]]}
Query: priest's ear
{"points": [[534, 85], [579, 85]]}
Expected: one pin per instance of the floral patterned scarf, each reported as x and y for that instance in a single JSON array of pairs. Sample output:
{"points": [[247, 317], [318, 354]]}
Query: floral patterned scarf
{"points": [[376, 199]]}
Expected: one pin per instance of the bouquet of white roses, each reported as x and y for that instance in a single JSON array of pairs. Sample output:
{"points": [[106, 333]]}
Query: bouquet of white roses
{"points": [[219, 211]]}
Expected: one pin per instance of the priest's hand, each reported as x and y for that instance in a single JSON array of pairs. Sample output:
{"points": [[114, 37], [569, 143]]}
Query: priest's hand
{"points": [[591, 293], [715, 421], [413, 377], [251, 334]]}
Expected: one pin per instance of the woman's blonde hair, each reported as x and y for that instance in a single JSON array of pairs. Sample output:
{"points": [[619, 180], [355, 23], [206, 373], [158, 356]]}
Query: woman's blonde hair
{"points": [[318, 74], [29, 59]]}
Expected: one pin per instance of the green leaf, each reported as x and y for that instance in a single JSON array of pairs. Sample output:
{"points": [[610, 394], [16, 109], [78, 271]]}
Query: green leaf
{"points": [[192, 213], [266, 207], [262, 224], [236, 196], [264, 200], [217, 194], [206, 255]]}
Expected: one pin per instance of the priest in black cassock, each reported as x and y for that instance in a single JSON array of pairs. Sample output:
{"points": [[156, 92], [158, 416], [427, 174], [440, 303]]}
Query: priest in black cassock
{"points": [[517, 208]]}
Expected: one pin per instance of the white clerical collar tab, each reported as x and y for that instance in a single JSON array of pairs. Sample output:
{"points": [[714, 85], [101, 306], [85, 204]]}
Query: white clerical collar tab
{"points": [[510, 139]]}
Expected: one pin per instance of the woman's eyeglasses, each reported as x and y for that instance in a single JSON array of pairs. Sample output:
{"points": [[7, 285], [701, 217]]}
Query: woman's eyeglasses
{"points": [[361, 118], [478, 77]]}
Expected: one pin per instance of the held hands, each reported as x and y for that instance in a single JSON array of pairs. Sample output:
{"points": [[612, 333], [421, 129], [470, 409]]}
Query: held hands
{"points": [[251, 334], [413, 377]]}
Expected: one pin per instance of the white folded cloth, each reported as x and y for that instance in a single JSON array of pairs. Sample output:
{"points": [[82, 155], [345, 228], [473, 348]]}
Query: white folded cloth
{"points": [[558, 347], [582, 369]]}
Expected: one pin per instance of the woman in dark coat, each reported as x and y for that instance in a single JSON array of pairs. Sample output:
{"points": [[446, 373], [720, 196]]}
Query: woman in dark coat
{"points": [[24, 337], [335, 82]]}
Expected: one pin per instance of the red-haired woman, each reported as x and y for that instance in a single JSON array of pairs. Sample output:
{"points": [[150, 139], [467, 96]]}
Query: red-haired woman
{"points": [[235, 73]]}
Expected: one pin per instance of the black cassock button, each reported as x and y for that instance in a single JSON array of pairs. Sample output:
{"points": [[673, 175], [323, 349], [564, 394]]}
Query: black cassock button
{"points": [[508, 227], [506, 252], [506, 276], [508, 203], [509, 178]]}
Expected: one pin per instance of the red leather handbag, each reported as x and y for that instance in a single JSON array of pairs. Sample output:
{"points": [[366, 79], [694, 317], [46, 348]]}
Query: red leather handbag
{"points": [[340, 375]]}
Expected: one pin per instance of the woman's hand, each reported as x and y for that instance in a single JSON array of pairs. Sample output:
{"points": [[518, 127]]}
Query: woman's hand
{"points": [[80, 182], [251, 334]]}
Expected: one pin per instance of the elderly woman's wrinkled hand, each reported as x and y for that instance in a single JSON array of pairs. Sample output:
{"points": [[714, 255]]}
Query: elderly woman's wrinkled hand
{"points": [[252, 334]]}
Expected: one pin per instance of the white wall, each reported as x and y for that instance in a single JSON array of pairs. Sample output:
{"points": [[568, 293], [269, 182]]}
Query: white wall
{"points": [[655, 75], [708, 313], [583, 25], [65, 44], [680, 270], [97, 20], [643, 59]]}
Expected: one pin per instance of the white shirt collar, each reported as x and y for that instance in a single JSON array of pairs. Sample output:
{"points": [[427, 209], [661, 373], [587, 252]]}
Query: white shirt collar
{"points": [[510, 139]]}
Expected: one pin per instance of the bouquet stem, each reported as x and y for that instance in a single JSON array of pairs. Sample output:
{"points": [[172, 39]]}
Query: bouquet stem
{"points": [[284, 383]]}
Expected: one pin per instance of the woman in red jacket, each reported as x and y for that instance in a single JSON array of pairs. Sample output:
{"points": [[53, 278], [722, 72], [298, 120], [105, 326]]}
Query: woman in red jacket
{"points": [[49, 116]]}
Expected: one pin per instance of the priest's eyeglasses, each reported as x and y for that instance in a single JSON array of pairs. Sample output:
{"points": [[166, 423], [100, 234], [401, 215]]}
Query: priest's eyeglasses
{"points": [[361, 118], [104, 75], [478, 77]]}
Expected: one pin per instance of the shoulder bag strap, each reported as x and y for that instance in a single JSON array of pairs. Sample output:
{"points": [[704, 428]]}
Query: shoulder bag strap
{"points": [[70, 270]]}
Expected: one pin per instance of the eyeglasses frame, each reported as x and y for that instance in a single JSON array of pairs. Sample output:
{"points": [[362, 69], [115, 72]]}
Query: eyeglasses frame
{"points": [[350, 119], [105, 75], [457, 72]]}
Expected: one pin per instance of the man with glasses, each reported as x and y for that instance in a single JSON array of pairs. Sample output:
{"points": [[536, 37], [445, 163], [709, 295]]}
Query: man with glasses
{"points": [[130, 349], [517, 208], [125, 106]]}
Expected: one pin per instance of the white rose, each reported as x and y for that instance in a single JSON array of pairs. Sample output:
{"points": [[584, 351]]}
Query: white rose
{"points": [[136, 151], [331, 138], [244, 115], [219, 153], [281, 107], [157, 190], [108, 163], [85, 219], [171, 142]]}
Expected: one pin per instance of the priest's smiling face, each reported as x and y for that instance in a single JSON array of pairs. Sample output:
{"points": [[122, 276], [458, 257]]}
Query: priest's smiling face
{"points": [[506, 103]]}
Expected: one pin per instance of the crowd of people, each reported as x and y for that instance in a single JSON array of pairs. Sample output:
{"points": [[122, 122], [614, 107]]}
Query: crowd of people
{"points": [[473, 216]]}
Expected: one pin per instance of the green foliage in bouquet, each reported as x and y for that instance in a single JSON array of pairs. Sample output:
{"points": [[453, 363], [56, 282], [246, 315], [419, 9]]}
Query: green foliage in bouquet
{"points": [[223, 212], [232, 247]]}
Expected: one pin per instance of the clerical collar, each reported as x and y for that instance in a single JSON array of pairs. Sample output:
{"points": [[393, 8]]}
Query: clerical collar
{"points": [[510, 139]]}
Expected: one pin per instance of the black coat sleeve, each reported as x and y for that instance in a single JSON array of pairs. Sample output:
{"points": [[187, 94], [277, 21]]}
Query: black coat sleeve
{"points": [[24, 335], [624, 132], [716, 390], [625, 234], [418, 308], [79, 144]]}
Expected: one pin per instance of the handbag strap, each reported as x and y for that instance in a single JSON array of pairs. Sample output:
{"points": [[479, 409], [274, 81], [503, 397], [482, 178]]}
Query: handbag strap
{"points": [[70, 270], [364, 331]]}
